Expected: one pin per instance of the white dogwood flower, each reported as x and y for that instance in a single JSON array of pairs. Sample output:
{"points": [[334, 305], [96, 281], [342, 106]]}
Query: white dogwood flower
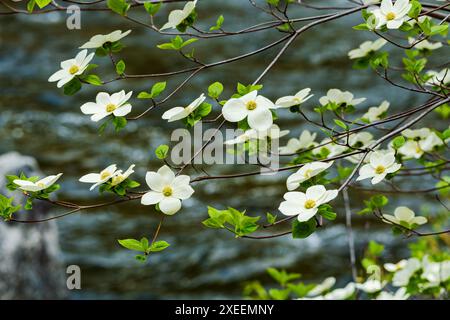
{"points": [[179, 113], [438, 78], [419, 141], [341, 293], [404, 216], [306, 172], [120, 177], [251, 106], [362, 139], [379, 166], [393, 15], [71, 68], [371, 286], [394, 267], [298, 98], [333, 149], [400, 294], [425, 44], [167, 190], [99, 40], [273, 133], [177, 16], [401, 278], [305, 141], [306, 205], [366, 48], [326, 285], [376, 113], [339, 97], [100, 178], [435, 272], [40, 185], [106, 105]]}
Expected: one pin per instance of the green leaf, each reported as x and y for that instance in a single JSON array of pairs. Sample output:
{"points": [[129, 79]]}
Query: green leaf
{"points": [[270, 218], [158, 88], [219, 23], [93, 79], [379, 201], [159, 246], [203, 110], [152, 8], [398, 142], [43, 3], [415, 10], [30, 5], [279, 294], [72, 87], [120, 67], [301, 230], [162, 151], [375, 249], [118, 6], [119, 123], [131, 244], [215, 90], [281, 276], [341, 124]]}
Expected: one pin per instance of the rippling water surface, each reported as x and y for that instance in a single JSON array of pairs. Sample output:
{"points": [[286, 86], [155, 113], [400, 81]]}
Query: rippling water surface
{"points": [[37, 120]]}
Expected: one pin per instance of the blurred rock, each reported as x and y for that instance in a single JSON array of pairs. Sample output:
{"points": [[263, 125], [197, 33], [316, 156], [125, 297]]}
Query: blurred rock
{"points": [[29, 253]]}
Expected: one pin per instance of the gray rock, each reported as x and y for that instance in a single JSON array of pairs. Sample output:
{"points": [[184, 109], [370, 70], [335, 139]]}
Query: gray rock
{"points": [[29, 252]]}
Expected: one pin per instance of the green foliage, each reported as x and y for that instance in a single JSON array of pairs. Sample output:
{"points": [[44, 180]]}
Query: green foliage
{"points": [[155, 91], [375, 202], [301, 230], [143, 246], [243, 90], [7, 208], [271, 218], [72, 87], [43, 3], [92, 79], [119, 189], [202, 111], [162, 151], [119, 123], [398, 142], [232, 220], [215, 90], [177, 43], [326, 211], [219, 23], [118, 6], [281, 276], [120, 67], [152, 8]]}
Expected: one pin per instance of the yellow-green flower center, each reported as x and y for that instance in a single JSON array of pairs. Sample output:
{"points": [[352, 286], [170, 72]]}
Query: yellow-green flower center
{"points": [[167, 191], [117, 180], [74, 69], [418, 149], [111, 107], [104, 175], [390, 16], [380, 169], [251, 105], [309, 204], [308, 173], [41, 185]]}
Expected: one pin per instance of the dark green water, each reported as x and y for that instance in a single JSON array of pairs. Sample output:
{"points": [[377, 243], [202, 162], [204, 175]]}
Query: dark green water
{"points": [[37, 120]]}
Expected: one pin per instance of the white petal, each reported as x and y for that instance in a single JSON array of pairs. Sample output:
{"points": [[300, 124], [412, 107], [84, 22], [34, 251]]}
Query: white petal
{"points": [[90, 178], [152, 197], [260, 119], [91, 108], [154, 181], [306, 214], [234, 110], [289, 208], [170, 205], [122, 110], [315, 192], [166, 174]]}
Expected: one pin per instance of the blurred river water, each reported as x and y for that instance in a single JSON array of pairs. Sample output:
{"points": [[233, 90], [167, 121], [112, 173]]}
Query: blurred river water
{"points": [[36, 119]]}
